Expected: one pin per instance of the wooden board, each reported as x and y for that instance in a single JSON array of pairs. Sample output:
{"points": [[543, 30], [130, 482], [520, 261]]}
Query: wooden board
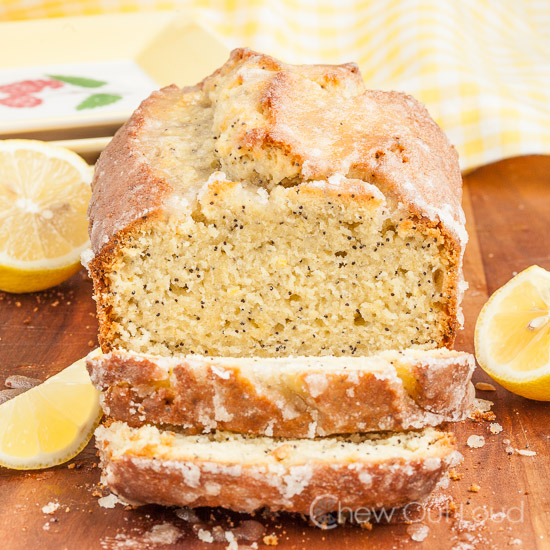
{"points": [[507, 207]]}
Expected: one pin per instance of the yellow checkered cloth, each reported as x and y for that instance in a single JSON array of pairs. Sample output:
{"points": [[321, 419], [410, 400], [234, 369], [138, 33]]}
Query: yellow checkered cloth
{"points": [[482, 67]]}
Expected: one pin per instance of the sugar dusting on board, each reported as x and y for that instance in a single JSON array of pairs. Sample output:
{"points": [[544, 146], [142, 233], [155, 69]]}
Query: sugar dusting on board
{"points": [[136, 539]]}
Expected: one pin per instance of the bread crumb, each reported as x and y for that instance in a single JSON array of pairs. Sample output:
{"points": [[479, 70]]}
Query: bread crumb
{"points": [[271, 540], [484, 386], [476, 441], [454, 475], [205, 536], [366, 525], [474, 488], [482, 405], [71, 466], [495, 428], [230, 537], [525, 452], [478, 416], [50, 508], [450, 509], [109, 501], [160, 534], [418, 531]]}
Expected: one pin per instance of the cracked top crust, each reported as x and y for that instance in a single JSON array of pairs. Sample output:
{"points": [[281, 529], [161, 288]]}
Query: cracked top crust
{"points": [[262, 123]]}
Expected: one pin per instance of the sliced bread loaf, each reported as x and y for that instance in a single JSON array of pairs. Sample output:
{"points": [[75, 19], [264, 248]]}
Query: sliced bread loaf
{"points": [[277, 210], [146, 465], [289, 397]]}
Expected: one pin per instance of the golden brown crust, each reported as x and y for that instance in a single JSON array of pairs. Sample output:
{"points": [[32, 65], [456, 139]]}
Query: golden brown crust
{"points": [[386, 138], [363, 482], [125, 187], [391, 392]]}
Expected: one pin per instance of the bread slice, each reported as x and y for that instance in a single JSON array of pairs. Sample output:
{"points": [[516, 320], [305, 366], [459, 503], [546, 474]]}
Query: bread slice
{"points": [[288, 397], [146, 465], [277, 210]]}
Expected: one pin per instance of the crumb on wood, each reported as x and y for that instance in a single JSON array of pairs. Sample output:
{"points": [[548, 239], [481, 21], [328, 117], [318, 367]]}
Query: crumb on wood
{"points": [[475, 441], [454, 475], [495, 428], [366, 525], [526, 452], [50, 508], [478, 416], [484, 386], [271, 540], [450, 510], [474, 488]]}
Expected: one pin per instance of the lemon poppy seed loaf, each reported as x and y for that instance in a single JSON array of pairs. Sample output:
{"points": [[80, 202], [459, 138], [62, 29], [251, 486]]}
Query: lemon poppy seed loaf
{"points": [[297, 397], [277, 210], [146, 465]]}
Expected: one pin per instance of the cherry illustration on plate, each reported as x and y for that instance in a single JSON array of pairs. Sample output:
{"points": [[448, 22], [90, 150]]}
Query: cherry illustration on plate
{"points": [[20, 94]]}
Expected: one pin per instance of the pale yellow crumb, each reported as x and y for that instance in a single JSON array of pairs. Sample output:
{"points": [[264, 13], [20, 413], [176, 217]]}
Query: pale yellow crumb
{"points": [[476, 441], [495, 428], [525, 452]]}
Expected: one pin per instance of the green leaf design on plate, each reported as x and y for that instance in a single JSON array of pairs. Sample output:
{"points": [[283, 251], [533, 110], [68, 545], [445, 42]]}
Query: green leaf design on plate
{"points": [[78, 80], [98, 100]]}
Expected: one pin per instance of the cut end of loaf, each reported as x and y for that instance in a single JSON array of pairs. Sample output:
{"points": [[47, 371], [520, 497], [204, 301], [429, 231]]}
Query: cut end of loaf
{"points": [[314, 269], [338, 230]]}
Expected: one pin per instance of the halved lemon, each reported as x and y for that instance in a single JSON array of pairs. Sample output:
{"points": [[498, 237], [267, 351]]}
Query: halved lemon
{"points": [[44, 195], [512, 336], [51, 423]]}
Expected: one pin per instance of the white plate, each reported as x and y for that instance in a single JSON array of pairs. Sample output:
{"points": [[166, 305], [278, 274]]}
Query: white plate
{"points": [[80, 78]]}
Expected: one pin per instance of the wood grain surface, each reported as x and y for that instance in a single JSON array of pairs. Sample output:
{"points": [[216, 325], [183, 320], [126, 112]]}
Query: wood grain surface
{"points": [[507, 206]]}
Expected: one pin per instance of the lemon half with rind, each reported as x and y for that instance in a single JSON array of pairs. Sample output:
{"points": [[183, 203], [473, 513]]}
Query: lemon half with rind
{"points": [[51, 423], [44, 195], [512, 336]]}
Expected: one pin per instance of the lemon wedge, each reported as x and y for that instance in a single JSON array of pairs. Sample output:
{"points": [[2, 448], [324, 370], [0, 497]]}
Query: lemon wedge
{"points": [[51, 423], [512, 336], [44, 195]]}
